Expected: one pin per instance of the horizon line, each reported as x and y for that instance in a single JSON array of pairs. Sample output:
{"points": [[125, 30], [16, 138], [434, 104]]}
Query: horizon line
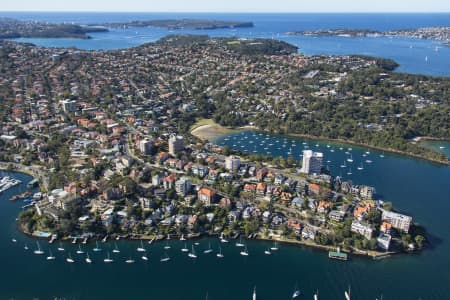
{"points": [[227, 12]]}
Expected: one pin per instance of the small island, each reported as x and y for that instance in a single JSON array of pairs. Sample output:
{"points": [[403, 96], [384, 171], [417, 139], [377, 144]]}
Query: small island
{"points": [[12, 29], [337, 32]]}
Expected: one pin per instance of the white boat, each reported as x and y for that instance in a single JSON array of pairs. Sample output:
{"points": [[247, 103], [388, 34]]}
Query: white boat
{"points": [[104, 239], [116, 249], [117, 237], [382, 155], [360, 167], [267, 252], [79, 251], [244, 252], [50, 255], [316, 295], [274, 247], [84, 241], [347, 294], [38, 251], [97, 248], [60, 248], [129, 261], [144, 257], [70, 260], [141, 248], [151, 241], [222, 238], [349, 171], [240, 244], [167, 246], [220, 255], [108, 259], [166, 258], [74, 241], [25, 247], [441, 147], [88, 259], [254, 293], [184, 249], [350, 159], [14, 240], [209, 250], [192, 253], [344, 165], [182, 238], [296, 294], [368, 161]]}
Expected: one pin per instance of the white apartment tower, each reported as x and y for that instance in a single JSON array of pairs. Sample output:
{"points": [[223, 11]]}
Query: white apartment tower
{"points": [[312, 162]]}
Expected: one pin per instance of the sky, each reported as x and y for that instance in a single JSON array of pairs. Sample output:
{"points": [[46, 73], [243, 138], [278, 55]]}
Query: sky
{"points": [[228, 5]]}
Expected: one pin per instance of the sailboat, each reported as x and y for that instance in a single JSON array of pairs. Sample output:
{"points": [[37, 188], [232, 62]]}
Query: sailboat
{"points": [[222, 238], [274, 247], [244, 252], [267, 252], [344, 165], [209, 250], [38, 251], [84, 241], [368, 161], [167, 246], [361, 167], [151, 241], [166, 258], [350, 159], [349, 171], [144, 257], [182, 238], [347, 294], [74, 241], [130, 261], [220, 255], [116, 249], [108, 259], [141, 248], [60, 248], [25, 247], [14, 240], [254, 293], [240, 244], [184, 249], [79, 251], [97, 248], [192, 253], [316, 295], [382, 155], [69, 259], [50, 255], [88, 259], [296, 292]]}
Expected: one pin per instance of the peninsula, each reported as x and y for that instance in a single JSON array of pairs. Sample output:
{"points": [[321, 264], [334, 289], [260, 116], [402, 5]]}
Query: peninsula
{"points": [[108, 132], [433, 33], [173, 24], [12, 28]]}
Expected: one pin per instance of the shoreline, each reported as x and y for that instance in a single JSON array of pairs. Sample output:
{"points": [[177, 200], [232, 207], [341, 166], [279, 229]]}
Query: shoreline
{"points": [[217, 134], [371, 254]]}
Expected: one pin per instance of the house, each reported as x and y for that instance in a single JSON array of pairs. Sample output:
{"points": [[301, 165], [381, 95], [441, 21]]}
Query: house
{"points": [[313, 189], [249, 187], [260, 174], [337, 215], [261, 188], [206, 195], [295, 226], [234, 216], [169, 181], [309, 233], [386, 227], [398, 221], [323, 207]]}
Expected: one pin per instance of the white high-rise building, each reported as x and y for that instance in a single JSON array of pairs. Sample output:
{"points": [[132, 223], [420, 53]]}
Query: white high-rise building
{"points": [[183, 186], [312, 162], [232, 163], [145, 146], [176, 144]]}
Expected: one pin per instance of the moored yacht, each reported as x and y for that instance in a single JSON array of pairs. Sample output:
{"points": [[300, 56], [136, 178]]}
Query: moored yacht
{"points": [[209, 250], [130, 261], [116, 249], [97, 248], [88, 259], [38, 251], [220, 255], [50, 255], [141, 248], [274, 247], [244, 252], [108, 259], [192, 253], [69, 259]]}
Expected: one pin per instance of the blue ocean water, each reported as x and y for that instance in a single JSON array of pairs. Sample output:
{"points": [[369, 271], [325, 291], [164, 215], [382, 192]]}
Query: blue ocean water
{"points": [[409, 53]]}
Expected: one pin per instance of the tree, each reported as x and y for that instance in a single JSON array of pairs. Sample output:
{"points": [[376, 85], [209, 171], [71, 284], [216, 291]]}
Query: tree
{"points": [[419, 239]]}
